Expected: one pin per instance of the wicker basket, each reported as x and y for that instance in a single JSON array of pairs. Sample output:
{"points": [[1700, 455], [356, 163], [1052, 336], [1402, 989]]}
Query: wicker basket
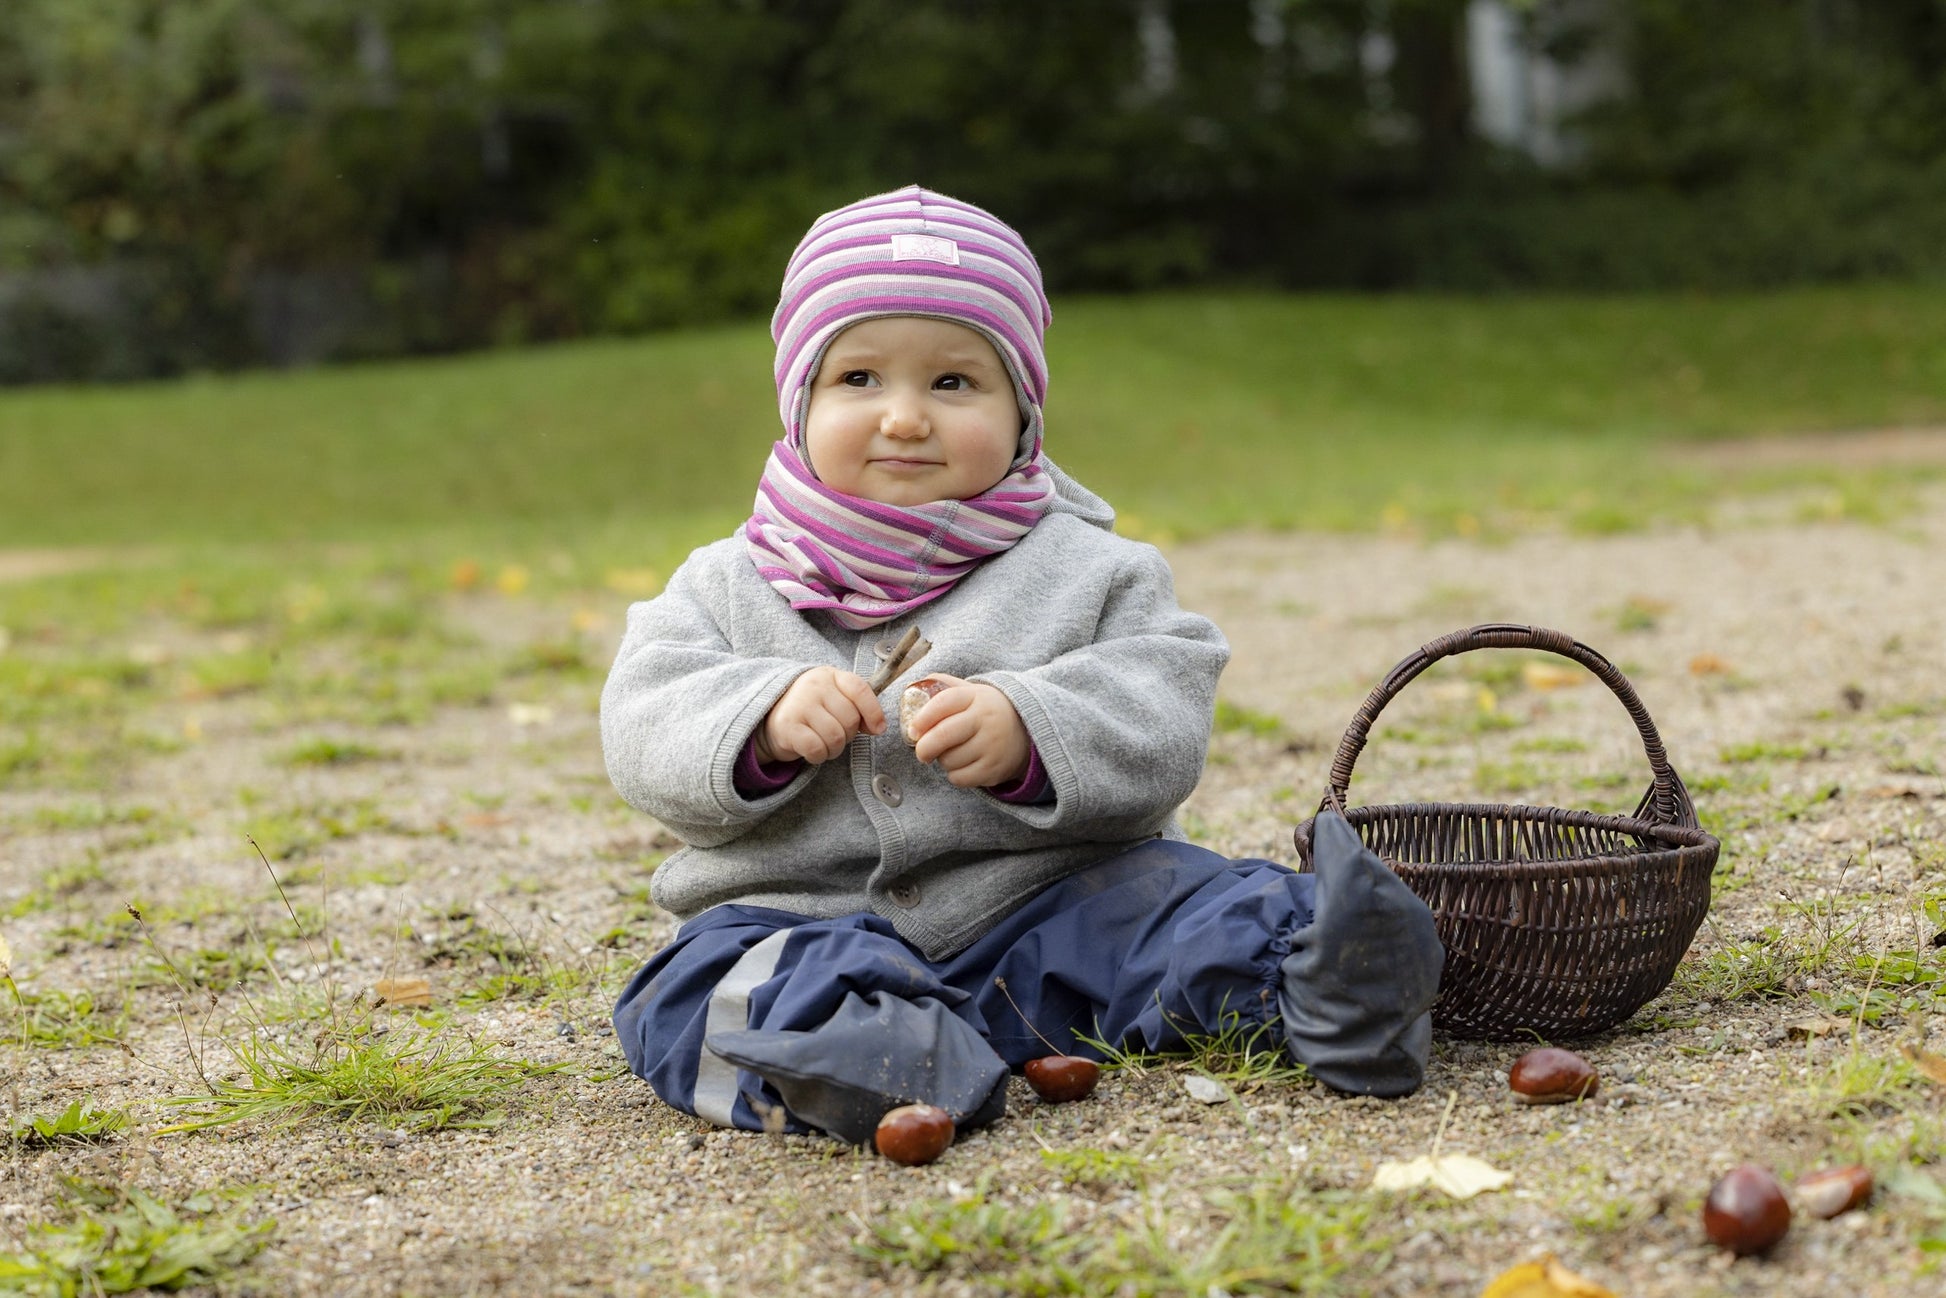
{"points": [[1556, 923]]}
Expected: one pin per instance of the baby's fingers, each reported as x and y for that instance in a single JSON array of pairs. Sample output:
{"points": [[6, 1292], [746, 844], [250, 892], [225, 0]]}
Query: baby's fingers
{"points": [[866, 714]]}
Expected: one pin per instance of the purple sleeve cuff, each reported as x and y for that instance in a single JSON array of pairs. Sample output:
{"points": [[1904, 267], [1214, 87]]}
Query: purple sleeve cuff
{"points": [[753, 778], [1033, 786]]}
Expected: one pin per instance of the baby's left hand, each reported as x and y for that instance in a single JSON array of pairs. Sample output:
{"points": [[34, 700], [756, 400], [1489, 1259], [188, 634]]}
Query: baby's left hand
{"points": [[972, 731]]}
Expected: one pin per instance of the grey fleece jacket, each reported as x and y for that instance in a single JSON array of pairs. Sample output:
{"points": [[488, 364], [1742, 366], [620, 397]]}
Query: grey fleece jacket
{"points": [[1078, 627]]}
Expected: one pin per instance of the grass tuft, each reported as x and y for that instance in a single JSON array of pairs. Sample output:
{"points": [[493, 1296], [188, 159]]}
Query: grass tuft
{"points": [[79, 1123], [409, 1077], [125, 1240]]}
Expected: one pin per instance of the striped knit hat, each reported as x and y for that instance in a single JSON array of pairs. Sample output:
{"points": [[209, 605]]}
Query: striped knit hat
{"points": [[912, 252]]}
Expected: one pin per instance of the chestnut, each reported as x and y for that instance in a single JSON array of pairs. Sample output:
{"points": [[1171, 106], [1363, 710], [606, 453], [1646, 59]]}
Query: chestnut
{"points": [[1060, 1078], [912, 700], [1552, 1076], [1834, 1190], [1746, 1211], [914, 1133]]}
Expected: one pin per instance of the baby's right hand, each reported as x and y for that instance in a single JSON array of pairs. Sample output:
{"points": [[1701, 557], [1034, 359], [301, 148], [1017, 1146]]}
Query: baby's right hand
{"points": [[817, 717]]}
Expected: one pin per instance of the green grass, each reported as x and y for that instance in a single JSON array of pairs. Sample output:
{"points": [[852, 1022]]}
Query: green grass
{"points": [[1265, 1235], [410, 1077], [80, 1123], [121, 1239], [1190, 411]]}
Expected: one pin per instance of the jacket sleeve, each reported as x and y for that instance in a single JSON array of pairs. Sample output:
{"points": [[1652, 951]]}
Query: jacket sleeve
{"points": [[1122, 724], [679, 705]]}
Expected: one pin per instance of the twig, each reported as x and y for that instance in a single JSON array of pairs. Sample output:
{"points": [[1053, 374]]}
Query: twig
{"points": [[1001, 983], [1452, 1098], [907, 652]]}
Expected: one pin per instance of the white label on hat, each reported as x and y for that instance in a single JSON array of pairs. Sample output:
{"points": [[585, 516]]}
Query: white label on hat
{"points": [[924, 247]]}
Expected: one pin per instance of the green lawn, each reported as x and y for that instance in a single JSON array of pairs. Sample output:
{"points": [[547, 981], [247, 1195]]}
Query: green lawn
{"points": [[1191, 412]]}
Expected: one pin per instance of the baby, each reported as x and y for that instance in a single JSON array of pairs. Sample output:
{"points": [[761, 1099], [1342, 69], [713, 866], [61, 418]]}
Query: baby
{"points": [[870, 922]]}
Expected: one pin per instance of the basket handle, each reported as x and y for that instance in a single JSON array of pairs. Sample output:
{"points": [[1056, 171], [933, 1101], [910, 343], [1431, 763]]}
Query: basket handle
{"points": [[1667, 802]]}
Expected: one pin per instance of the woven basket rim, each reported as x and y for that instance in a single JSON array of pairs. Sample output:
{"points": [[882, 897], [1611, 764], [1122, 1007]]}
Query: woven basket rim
{"points": [[1671, 835]]}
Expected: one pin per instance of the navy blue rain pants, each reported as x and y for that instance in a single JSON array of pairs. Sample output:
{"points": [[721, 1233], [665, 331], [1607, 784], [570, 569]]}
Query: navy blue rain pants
{"points": [[1163, 941]]}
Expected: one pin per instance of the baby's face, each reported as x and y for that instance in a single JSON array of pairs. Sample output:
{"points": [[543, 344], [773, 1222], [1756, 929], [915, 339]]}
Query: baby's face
{"points": [[906, 410]]}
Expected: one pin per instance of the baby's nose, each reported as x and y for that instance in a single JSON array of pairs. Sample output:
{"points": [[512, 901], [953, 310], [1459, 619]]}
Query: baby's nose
{"points": [[903, 418]]}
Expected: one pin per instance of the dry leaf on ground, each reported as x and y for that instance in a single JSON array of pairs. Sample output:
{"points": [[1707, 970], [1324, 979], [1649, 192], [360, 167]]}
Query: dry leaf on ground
{"points": [[1460, 1175], [403, 993], [1926, 1062], [1708, 665], [1546, 676], [1545, 1278], [1206, 1089], [1821, 1026]]}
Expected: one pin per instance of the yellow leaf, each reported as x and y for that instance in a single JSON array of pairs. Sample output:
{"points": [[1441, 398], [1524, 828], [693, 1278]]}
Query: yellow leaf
{"points": [[1546, 676], [466, 575], [1485, 699], [512, 579], [1708, 665], [1546, 1278], [639, 582], [403, 993], [1460, 1175], [1930, 1064]]}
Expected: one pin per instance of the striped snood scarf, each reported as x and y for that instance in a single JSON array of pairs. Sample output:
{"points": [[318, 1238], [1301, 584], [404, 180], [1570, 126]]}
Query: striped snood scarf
{"points": [[907, 253]]}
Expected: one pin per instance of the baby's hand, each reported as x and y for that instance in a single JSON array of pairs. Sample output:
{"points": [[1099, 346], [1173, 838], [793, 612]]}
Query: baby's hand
{"points": [[972, 731], [817, 717]]}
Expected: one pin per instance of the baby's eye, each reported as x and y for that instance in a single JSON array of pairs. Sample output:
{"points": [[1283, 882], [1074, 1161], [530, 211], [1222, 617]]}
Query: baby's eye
{"points": [[856, 378], [952, 382]]}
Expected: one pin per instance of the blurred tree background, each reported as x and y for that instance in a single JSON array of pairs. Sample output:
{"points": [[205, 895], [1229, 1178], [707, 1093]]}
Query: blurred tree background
{"points": [[190, 184]]}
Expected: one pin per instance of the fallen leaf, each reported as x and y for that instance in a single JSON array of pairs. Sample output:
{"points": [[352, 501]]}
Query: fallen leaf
{"points": [[1708, 665], [512, 579], [1460, 1175], [1912, 1183], [640, 582], [485, 820], [586, 620], [1805, 1029], [466, 575], [1546, 1278], [1206, 1089], [1926, 1062], [1546, 676], [1896, 791], [403, 993]]}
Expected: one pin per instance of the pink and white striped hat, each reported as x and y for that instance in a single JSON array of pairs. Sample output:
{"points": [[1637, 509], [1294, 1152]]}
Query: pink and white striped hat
{"points": [[912, 252]]}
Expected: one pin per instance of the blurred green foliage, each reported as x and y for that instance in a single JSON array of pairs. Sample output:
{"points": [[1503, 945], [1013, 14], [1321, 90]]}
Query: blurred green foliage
{"points": [[426, 175]]}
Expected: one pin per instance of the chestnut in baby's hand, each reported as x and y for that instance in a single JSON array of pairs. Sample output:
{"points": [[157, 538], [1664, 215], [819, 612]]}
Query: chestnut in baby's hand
{"points": [[970, 729]]}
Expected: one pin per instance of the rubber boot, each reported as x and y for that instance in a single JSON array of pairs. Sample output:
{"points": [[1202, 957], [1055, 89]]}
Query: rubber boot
{"points": [[873, 1055], [1359, 983]]}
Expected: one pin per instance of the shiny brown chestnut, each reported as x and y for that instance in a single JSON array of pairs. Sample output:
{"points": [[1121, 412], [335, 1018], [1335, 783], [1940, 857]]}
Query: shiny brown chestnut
{"points": [[1552, 1076], [1834, 1190], [912, 700], [1061, 1078], [1746, 1211], [914, 1133]]}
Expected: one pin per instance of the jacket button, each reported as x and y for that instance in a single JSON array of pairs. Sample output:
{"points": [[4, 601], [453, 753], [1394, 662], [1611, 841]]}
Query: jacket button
{"points": [[904, 894], [886, 790]]}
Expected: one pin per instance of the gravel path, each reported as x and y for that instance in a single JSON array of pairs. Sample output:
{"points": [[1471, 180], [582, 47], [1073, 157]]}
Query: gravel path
{"points": [[1795, 672]]}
